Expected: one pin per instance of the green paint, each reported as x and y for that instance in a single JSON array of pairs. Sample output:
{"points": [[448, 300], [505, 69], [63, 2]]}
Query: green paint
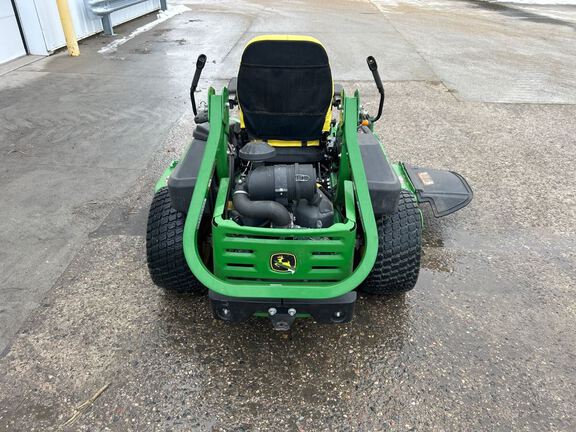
{"points": [[242, 254], [405, 181], [163, 180], [338, 240]]}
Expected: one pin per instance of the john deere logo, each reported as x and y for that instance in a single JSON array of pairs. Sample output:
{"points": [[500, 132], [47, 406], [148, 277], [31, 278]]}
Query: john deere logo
{"points": [[283, 263]]}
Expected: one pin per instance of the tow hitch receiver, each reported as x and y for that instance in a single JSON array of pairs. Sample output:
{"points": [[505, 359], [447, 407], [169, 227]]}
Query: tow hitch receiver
{"points": [[282, 313], [282, 319]]}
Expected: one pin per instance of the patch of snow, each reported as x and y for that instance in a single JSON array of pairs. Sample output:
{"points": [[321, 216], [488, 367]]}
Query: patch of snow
{"points": [[161, 17]]}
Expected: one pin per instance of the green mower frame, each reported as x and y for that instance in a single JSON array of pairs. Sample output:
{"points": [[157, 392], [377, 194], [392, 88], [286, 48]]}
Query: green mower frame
{"points": [[323, 266], [339, 237]]}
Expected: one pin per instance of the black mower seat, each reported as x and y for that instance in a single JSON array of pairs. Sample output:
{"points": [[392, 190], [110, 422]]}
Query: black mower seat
{"points": [[284, 90]]}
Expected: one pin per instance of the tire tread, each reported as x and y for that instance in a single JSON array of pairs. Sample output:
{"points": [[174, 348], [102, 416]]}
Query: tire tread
{"points": [[399, 249], [164, 248]]}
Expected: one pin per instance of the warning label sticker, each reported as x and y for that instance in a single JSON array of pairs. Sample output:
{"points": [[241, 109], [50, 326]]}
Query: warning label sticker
{"points": [[425, 178]]}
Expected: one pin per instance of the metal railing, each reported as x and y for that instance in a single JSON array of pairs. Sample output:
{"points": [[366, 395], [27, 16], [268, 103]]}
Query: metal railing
{"points": [[104, 8]]}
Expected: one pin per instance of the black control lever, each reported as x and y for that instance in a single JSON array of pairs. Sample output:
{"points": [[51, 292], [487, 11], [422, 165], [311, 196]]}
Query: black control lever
{"points": [[199, 66], [373, 66]]}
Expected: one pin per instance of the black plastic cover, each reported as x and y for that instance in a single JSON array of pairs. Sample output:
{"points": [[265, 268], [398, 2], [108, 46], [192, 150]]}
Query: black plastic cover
{"points": [[320, 214], [277, 182], [298, 155], [383, 183], [326, 311], [201, 131], [446, 191], [257, 151], [183, 179]]}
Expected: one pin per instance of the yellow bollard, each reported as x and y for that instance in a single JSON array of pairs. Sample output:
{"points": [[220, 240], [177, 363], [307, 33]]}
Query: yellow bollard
{"points": [[68, 28]]}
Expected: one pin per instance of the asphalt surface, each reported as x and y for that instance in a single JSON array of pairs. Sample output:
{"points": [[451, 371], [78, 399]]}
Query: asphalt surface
{"points": [[487, 339]]}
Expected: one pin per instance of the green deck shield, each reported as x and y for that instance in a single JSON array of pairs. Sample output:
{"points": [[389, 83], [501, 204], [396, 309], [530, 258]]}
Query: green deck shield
{"points": [[214, 164], [163, 180]]}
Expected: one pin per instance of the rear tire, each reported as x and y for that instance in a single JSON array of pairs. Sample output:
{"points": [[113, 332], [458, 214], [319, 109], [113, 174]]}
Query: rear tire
{"points": [[164, 248], [399, 248]]}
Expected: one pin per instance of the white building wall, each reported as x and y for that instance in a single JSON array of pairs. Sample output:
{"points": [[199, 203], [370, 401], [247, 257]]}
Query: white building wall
{"points": [[43, 30], [11, 45]]}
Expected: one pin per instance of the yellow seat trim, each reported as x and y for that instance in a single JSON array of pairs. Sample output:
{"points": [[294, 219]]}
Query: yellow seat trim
{"points": [[278, 37], [279, 143]]}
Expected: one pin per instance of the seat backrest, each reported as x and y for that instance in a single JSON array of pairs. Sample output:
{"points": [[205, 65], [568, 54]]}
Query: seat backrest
{"points": [[285, 89]]}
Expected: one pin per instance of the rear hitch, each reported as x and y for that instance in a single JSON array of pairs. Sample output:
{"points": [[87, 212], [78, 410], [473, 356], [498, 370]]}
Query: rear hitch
{"points": [[282, 318], [283, 312]]}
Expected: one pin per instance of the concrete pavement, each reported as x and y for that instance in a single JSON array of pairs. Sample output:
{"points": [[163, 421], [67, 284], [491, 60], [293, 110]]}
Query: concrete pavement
{"points": [[486, 341]]}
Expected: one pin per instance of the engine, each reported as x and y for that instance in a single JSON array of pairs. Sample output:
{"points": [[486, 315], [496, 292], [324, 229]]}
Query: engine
{"points": [[279, 195]]}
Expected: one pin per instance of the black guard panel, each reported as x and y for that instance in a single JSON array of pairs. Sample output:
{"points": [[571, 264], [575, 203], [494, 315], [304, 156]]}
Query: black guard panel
{"points": [[324, 311], [183, 179], [383, 184], [446, 191]]}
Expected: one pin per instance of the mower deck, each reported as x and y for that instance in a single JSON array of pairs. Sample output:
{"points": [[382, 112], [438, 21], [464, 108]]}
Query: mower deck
{"points": [[445, 191]]}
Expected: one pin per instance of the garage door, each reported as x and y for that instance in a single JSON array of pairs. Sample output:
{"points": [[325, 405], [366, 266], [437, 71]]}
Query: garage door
{"points": [[11, 45]]}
